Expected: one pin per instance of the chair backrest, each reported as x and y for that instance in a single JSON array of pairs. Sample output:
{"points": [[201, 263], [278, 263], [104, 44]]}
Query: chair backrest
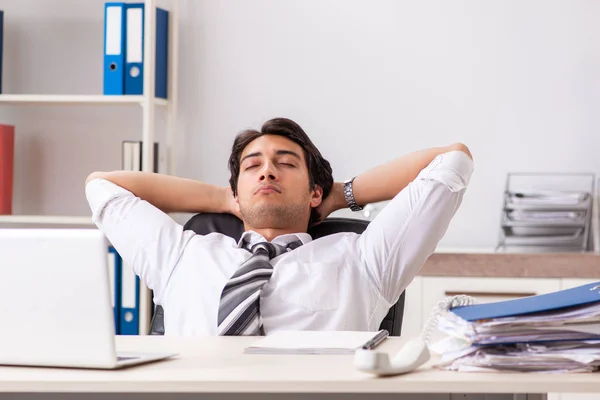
{"points": [[232, 226]]}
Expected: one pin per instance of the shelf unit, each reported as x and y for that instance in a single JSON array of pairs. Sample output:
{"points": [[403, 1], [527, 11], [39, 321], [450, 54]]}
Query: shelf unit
{"points": [[548, 212], [147, 101], [75, 99], [45, 219]]}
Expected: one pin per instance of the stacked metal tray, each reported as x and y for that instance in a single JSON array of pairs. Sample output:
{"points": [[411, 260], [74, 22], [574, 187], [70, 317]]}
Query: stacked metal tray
{"points": [[547, 213]]}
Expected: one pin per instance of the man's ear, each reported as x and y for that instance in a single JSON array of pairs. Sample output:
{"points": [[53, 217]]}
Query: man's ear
{"points": [[316, 196], [236, 208]]}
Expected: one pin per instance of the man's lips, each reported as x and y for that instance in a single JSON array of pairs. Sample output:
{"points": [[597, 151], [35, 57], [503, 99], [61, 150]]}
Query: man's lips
{"points": [[267, 189]]}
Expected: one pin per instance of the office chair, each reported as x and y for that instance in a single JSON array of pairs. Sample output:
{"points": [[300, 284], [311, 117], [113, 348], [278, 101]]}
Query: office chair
{"points": [[232, 226]]}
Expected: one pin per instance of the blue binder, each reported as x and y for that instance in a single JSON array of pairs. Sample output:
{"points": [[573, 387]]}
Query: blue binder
{"points": [[577, 296], [114, 48], [1, 41], [114, 272], [134, 59], [130, 300]]}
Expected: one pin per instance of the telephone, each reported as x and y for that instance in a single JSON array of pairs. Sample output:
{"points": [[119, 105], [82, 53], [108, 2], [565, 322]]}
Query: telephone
{"points": [[415, 352]]}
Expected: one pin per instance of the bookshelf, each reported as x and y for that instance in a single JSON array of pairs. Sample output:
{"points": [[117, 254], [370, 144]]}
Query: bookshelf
{"points": [[45, 219], [147, 101], [75, 99]]}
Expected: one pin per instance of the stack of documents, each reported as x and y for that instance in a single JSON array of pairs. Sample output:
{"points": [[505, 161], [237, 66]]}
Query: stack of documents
{"points": [[556, 332], [546, 216], [548, 197]]}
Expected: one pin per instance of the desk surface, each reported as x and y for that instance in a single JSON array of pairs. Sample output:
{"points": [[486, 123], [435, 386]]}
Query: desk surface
{"points": [[219, 365]]}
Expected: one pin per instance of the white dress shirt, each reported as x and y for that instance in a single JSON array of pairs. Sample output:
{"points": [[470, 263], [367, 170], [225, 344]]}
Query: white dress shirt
{"points": [[343, 281]]}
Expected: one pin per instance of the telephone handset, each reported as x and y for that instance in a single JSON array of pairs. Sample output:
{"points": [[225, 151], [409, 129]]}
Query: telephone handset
{"points": [[415, 352]]}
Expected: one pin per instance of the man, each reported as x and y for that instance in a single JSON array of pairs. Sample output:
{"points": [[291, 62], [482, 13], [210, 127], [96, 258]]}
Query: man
{"points": [[279, 185]]}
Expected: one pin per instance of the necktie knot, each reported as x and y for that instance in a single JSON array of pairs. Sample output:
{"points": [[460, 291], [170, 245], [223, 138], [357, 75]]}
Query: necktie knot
{"points": [[267, 248]]}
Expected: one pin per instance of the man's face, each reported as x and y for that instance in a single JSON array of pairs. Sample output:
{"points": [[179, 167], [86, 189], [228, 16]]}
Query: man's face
{"points": [[273, 184]]}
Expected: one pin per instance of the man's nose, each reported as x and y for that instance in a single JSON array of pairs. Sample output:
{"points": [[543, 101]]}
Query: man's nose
{"points": [[268, 172]]}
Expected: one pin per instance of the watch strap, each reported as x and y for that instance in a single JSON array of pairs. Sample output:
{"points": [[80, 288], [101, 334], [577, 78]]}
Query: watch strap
{"points": [[349, 195]]}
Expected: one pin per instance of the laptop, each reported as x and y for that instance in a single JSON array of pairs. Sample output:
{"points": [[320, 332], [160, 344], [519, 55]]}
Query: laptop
{"points": [[55, 301]]}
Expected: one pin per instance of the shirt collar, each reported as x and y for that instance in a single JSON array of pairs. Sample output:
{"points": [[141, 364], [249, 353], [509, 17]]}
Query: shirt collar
{"points": [[253, 237]]}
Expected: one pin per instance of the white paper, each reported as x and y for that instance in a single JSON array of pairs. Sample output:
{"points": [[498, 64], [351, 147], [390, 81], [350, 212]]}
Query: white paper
{"points": [[548, 197], [113, 30], [311, 342]]}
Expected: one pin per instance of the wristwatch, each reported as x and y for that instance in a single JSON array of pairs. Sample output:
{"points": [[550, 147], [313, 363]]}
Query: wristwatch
{"points": [[349, 196]]}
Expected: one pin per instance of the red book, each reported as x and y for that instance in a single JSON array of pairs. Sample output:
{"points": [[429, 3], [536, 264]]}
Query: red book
{"points": [[7, 151]]}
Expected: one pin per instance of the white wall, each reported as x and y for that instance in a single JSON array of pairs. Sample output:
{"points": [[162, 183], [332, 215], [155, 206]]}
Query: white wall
{"points": [[518, 81]]}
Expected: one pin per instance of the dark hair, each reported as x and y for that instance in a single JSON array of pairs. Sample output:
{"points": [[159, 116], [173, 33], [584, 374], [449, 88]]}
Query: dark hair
{"points": [[319, 169]]}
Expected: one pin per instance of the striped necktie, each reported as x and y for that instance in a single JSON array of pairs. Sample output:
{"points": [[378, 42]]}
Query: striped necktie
{"points": [[239, 312]]}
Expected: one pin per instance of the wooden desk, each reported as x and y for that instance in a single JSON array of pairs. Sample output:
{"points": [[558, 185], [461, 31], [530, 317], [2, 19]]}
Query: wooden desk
{"points": [[218, 365]]}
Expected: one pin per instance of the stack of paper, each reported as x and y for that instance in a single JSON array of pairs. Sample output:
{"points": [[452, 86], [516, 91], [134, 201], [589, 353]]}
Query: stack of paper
{"points": [[548, 197], [579, 356], [316, 342], [546, 216], [557, 332]]}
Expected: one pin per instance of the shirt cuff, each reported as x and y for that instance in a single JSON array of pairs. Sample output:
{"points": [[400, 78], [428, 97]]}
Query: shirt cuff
{"points": [[99, 192], [453, 169]]}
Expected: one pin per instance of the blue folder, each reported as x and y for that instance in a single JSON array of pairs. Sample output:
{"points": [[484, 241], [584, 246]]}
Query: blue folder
{"points": [[130, 300], [134, 59], [114, 266], [114, 48], [577, 296]]}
